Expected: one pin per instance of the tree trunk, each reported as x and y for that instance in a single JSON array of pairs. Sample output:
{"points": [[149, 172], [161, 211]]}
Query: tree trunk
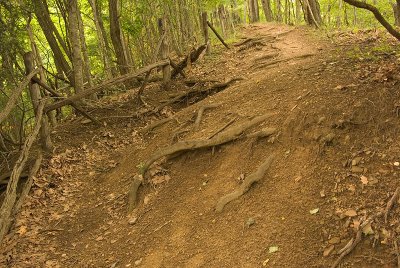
{"points": [[254, 11], [34, 90], [43, 17], [312, 12], [103, 42], [74, 38], [86, 60], [278, 10], [116, 37], [396, 13], [266, 4]]}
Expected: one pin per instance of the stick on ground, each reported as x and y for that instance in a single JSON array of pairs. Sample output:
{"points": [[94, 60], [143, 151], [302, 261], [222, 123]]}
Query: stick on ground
{"points": [[245, 186], [391, 203], [352, 244]]}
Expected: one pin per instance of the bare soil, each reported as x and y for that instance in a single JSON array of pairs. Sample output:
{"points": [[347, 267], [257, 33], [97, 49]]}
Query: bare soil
{"points": [[337, 150]]}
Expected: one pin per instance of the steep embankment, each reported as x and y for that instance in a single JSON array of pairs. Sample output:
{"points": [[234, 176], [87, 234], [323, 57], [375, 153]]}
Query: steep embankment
{"points": [[336, 146]]}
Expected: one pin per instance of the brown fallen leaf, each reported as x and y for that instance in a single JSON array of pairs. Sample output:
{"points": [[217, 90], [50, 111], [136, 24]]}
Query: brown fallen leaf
{"points": [[350, 213]]}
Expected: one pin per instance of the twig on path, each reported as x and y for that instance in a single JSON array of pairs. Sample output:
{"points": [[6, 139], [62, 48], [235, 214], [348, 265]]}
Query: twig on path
{"points": [[222, 128], [391, 203], [352, 243], [159, 228]]}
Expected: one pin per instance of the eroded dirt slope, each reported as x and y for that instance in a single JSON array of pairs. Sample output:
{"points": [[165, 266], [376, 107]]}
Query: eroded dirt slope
{"points": [[337, 147]]}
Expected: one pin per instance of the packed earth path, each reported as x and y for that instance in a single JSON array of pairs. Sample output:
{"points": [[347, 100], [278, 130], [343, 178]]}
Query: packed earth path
{"points": [[333, 125]]}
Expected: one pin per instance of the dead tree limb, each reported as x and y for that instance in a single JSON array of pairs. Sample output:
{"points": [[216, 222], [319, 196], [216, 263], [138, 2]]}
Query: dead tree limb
{"points": [[213, 89], [175, 67], [194, 55], [15, 95], [28, 184], [377, 15], [132, 194], [245, 186], [77, 107], [104, 85], [391, 203], [201, 111], [217, 34], [146, 77], [222, 138], [222, 128], [11, 192]]}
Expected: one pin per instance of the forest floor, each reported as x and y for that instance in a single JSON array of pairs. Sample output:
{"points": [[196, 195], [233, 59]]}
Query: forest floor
{"points": [[334, 102]]}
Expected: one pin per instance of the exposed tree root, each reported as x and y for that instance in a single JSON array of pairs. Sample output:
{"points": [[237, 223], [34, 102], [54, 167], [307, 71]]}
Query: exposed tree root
{"points": [[266, 132], [132, 194], [222, 128], [245, 186], [200, 113], [266, 57], [196, 92], [156, 124], [351, 244], [224, 137], [267, 64], [391, 203]]}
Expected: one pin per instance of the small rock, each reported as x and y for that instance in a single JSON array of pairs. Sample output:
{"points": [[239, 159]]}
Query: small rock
{"points": [[356, 161], [133, 220], [273, 249], [328, 250], [250, 222], [396, 164], [334, 240], [138, 262], [322, 193], [357, 169]]}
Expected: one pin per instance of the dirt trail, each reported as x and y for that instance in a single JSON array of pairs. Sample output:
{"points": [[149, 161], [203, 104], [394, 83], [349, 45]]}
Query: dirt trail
{"points": [[79, 203]]}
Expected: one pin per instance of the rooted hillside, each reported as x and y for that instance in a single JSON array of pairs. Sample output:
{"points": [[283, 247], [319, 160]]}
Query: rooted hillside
{"points": [[334, 111]]}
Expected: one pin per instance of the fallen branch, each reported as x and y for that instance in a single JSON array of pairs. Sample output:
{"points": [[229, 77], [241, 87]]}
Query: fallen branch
{"points": [[263, 65], [213, 89], [175, 67], [194, 55], [11, 192], [105, 85], [200, 113], [15, 95], [224, 137], [352, 243], [217, 34], [391, 203], [245, 186], [73, 104], [28, 183], [132, 194], [222, 128]]}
